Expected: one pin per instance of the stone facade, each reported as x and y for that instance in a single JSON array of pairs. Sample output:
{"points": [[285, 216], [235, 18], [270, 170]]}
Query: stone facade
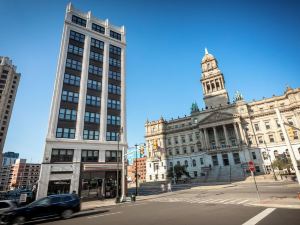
{"points": [[219, 141]]}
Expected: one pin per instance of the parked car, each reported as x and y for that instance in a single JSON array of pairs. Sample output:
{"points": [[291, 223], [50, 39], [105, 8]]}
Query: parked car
{"points": [[63, 205], [6, 205]]}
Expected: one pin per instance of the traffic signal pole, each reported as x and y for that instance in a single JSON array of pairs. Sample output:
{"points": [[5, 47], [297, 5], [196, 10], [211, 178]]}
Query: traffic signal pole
{"points": [[288, 144]]}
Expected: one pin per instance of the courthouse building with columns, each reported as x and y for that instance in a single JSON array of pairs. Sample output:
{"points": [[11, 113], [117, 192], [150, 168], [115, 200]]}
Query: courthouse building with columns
{"points": [[87, 125], [216, 143]]}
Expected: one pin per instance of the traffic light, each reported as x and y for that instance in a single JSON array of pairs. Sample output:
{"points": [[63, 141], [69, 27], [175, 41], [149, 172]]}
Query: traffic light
{"points": [[291, 132], [142, 150]]}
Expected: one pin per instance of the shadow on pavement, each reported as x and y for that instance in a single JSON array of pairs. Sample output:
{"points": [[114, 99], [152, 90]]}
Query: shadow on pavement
{"points": [[76, 215]]}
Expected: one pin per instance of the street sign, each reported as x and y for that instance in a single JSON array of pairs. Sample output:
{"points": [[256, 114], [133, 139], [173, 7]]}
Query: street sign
{"points": [[23, 197], [251, 166]]}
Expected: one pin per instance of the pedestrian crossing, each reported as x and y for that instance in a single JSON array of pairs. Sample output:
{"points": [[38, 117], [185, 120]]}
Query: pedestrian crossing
{"points": [[228, 201]]}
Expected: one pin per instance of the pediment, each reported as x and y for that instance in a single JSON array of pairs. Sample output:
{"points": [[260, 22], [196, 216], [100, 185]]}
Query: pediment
{"points": [[217, 116]]}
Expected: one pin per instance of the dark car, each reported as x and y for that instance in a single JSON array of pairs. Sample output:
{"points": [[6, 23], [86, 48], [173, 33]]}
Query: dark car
{"points": [[63, 205]]}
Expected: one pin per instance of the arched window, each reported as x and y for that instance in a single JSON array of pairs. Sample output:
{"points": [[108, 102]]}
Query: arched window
{"points": [[213, 86], [208, 87], [194, 163], [218, 85], [287, 153], [186, 163], [276, 154]]}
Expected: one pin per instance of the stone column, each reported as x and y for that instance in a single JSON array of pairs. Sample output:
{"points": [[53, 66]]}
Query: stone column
{"points": [[83, 88], [206, 138], [216, 136], [236, 133], [226, 135], [243, 134], [202, 139]]}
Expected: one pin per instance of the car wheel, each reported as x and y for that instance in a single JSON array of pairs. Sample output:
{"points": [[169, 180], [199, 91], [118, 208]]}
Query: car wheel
{"points": [[20, 220], [67, 214]]}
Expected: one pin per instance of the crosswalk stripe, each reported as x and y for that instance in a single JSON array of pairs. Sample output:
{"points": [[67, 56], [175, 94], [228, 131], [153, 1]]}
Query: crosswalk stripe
{"points": [[233, 201], [242, 202]]}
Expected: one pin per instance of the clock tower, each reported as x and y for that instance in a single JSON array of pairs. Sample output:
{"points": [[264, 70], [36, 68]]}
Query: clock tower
{"points": [[213, 82]]}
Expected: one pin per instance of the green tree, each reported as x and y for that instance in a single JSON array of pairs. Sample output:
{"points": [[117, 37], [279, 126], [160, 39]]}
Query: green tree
{"points": [[283, 163], [179, 171]]}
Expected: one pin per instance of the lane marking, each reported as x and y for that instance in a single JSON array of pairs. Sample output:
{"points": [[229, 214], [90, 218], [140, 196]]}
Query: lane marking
{"points": [[232, 202], [242, 202], [230, 199], [254, 220], [107, 214]]}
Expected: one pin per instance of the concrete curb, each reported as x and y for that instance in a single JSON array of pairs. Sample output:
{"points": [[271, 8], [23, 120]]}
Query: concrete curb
{"points": [[270, 205]]}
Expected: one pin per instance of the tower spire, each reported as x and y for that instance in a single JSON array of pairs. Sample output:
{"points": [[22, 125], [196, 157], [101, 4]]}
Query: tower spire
{"points": [[206, 52]]}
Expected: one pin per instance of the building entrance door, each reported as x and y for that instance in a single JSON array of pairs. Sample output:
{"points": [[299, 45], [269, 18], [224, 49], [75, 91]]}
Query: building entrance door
{"points": [[225, 159]]}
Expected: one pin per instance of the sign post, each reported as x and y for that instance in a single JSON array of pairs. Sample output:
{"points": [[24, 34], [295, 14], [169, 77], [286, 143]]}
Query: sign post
{"points": [[252, 169]]}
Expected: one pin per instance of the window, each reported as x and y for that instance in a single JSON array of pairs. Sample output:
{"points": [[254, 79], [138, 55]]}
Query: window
{"points": [[185, 163], [277, 123], [114, 75], [287, 154], [256, 127], [69, 96], [98, 28], [176, 140], [260, 140], [191, 137], [177, 151], [77, 36], [90, 135], [79, 21], [93, 84], [75, 50], [198, 136], [62, 155], [97, 44], [271, 138], [236, 158], [73, 64], [215, 160], [113, 120], [178, 163], [115, 50], [170, 152], [65, 133], [201, 161], [290, 121], [89, 156], [111, 156], [265, 155], [115, 35], [194, 163], [195, 174], [150, 177], [95, 70], [71, 79], [114, 62], [114, 89], [169, 141], [267, 124], [281, 136], [184, 150], [253, 155], [276, 155], [296, 135], [92, 100], [113, 104], [96, 56], [92, 117], [111, 136], [67, 114], [183, 139], [192, 149]]}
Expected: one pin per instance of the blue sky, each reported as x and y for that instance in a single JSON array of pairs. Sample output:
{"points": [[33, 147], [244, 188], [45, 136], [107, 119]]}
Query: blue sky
{"points": [[257, 44]]}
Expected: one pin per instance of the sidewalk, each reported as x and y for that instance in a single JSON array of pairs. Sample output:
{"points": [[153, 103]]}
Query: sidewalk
{"points": [[287, 203]]}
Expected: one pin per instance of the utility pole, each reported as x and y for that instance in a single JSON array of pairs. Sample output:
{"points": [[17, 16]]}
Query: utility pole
{"points": [[123, 196], [288, 144], [136, 171]]}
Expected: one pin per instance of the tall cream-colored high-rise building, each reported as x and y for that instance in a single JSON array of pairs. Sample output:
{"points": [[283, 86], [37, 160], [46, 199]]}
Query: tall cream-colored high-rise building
{"points": [[217, 142], [87, 125], [9, 81]]}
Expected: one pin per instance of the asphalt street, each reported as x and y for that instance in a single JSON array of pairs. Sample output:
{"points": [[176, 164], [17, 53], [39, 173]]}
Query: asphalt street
{"points": [[228, 205]]}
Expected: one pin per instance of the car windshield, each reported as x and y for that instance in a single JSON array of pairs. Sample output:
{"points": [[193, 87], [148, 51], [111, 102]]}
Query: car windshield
{"points": [[40, 202]]}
